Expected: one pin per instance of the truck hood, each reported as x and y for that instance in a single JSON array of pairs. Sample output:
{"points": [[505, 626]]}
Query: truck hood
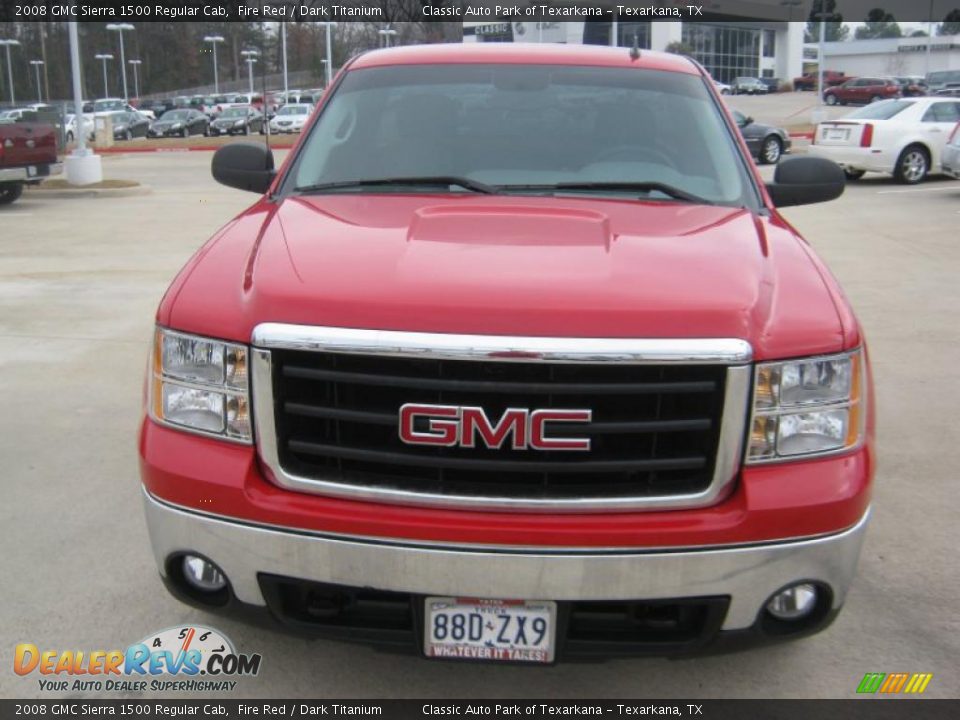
{"points": [[513, 266]]}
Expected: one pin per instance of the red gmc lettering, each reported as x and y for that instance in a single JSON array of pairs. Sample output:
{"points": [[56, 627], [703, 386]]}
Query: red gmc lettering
{"points": [[538, 430], [474, 420], [449, 425], [443, 424]]}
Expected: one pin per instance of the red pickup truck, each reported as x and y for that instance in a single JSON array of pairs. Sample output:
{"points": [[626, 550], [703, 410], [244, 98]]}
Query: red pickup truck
{"points": [[28, 154], [808, 81], [486, 378]]}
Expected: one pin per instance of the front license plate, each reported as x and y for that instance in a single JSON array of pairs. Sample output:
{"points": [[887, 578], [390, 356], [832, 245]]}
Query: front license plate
{"points": [[495, 630]]}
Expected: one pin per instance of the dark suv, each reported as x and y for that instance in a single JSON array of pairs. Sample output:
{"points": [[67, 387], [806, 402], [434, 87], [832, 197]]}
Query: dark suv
{"points": [[862, 90]]}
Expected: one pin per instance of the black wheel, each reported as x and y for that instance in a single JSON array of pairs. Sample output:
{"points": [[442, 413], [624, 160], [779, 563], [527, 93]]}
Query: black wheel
{"points": [[771, 150], [830, 99], [10, 192], [853, 174], [912, 165]]}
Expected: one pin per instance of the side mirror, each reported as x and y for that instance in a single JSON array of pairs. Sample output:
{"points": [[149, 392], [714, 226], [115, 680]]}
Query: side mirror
{"points": [[805, 180], [746, 121], [244, 166]]}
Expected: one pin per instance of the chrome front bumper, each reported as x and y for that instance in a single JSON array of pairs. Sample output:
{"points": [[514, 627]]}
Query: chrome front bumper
{"points": [[749, 575]]}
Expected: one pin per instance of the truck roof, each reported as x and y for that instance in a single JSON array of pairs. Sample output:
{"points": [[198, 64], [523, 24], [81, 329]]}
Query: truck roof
{"points": [[525, 54]]}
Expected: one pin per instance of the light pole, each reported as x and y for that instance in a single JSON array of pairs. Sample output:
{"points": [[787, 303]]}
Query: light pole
{"points": [[82, 166], [104, 57], [283, 44], [213, 40], [36, 66], [120, 27], [9, 44], [329, 68], [251, 57], [136, 75], [386, 34]]}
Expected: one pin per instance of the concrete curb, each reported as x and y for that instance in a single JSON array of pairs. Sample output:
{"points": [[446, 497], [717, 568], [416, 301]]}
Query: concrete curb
{"points": [[82, 192], [199, 148]]}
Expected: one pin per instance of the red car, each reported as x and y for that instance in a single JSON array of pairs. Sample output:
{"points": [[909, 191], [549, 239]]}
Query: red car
{"points": [[862, 91], [487, 373]]}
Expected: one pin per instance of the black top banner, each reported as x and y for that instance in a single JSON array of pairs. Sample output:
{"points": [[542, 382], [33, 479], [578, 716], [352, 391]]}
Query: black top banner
{"points": [[470, 10], [467, 709]]}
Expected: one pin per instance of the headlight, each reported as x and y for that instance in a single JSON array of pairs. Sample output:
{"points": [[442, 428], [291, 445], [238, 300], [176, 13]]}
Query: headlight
{"points": [[177, 125], [814, 406], [201, 385], [238, 123]]}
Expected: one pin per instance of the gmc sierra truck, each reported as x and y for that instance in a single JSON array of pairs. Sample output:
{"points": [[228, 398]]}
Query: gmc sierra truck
{"points": [[514, 359], [28, 154]]}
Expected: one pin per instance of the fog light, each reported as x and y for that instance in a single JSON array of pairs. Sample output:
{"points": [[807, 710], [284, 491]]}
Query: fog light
{"points": [[793, 603], [202, 574]]}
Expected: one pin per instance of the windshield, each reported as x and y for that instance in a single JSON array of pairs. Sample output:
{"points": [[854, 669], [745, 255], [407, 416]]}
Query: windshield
{"points": [[105, 105], [527, 129], [293, 110], [883, 110], [234, 113], [176, 115]]}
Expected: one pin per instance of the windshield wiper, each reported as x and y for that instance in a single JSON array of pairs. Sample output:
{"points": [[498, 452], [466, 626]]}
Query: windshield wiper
{"points": [[463, 182], [618, 186]]}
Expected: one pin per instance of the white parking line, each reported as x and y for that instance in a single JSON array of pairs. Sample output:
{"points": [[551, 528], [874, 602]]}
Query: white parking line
{"points": [[933, 189]]}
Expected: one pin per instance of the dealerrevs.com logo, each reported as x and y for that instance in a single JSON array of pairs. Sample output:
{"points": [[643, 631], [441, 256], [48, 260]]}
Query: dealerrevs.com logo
{"points": [[187, 658]]}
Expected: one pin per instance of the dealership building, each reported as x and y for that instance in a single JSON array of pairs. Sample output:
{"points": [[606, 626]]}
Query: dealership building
{"points": [[727, 45], [891, 56]]}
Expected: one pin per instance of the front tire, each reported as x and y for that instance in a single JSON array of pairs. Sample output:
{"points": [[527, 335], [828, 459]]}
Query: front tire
{"points": [[10, 192], [831, 100], [771, 150], [912, 165]]}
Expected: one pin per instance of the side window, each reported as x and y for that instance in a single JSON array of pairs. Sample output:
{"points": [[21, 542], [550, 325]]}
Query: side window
{"points": [[942, 112]]}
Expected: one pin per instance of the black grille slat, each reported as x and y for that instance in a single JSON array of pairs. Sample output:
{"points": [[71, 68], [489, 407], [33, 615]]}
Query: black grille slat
{"points": [[498, 387], [573, 466], [594, 428], [654, 429]]}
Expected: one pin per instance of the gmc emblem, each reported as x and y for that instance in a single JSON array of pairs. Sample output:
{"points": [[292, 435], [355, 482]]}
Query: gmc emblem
{"points": [[469, 427]]}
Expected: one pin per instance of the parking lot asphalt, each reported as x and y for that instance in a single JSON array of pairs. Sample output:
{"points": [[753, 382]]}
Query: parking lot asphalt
{"points": [[79, 283]]}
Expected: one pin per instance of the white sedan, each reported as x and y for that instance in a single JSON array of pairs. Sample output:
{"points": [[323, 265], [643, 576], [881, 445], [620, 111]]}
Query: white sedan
{"points": [[903, 137], [291, 118]]}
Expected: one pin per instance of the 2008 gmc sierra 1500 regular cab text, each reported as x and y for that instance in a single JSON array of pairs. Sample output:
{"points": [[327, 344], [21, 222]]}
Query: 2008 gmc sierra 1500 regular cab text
{"points": [[515, 359]]}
